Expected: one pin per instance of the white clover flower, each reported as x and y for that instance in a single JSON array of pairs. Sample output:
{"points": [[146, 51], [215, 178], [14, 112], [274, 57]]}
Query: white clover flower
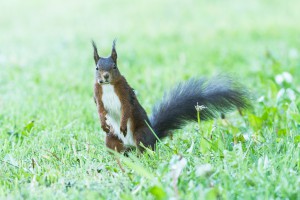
{"points": [[285, 76], [204, 170], [279, 79], [199, 108]]}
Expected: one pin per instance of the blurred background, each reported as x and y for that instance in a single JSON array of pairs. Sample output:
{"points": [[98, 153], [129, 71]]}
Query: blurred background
{"points": [[46, 64]]}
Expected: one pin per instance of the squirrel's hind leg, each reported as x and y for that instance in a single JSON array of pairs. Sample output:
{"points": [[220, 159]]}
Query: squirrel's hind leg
{"points": [[144, 138], [114, 143]]}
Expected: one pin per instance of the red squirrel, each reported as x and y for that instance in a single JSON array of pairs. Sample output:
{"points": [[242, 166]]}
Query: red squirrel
{"points": [[126, 122]]}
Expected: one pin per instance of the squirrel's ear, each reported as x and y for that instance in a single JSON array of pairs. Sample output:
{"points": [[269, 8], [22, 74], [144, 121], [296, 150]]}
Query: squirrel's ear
{"points": [[96, 56], [114, 55]]}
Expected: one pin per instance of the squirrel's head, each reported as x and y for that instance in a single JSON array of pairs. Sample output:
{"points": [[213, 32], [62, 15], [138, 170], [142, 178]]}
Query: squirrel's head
{"points": [[106, 68]]}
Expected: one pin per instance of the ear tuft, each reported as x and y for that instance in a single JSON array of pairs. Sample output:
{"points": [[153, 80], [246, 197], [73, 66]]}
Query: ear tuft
{"points": [[96, 56], [114, 55]]}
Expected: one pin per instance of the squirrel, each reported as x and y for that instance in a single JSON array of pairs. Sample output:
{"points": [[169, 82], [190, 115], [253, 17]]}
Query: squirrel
{"points": [[126, 122]]}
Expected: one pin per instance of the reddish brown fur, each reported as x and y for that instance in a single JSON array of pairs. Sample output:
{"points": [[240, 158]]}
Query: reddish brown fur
{"points": [[120, 88], [114, 143], [101, 110], [130, 107]]}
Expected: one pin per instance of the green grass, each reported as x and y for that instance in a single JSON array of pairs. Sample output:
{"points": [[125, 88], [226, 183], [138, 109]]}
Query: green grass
{"points": [[46, 76]]}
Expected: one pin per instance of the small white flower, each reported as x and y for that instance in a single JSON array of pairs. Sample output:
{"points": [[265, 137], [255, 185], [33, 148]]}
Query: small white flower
{"points": [[287, 77], [199, 108], [279, 79], [204, 169]]}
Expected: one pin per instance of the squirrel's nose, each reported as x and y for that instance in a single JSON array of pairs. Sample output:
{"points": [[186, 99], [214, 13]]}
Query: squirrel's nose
{"points": [[106, 76]]}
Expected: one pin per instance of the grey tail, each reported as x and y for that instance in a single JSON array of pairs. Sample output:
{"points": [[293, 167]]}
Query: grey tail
{"points": [[219, 95]]}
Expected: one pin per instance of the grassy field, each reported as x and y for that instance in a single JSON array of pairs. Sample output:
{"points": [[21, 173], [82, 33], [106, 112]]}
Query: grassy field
{"points": [[52, 146]]}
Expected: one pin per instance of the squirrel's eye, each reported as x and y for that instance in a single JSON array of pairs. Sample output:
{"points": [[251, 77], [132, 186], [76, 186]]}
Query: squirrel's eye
{"points": [[97, 68], [114, 66]]}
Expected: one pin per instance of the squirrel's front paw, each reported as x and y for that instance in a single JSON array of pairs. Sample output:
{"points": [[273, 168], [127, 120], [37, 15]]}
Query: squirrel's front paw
{"points": [[105, 128], [123, 130]]}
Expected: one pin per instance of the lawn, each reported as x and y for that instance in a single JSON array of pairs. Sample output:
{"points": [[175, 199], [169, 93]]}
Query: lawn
{"points": [[52, 146]]}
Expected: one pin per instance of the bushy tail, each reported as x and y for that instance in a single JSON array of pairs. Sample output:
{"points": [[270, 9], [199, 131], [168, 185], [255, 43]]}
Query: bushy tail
{"points": [[219, 95]]}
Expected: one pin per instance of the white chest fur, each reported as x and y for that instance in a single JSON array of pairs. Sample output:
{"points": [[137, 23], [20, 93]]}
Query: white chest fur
{"points": [[112, 105]]}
